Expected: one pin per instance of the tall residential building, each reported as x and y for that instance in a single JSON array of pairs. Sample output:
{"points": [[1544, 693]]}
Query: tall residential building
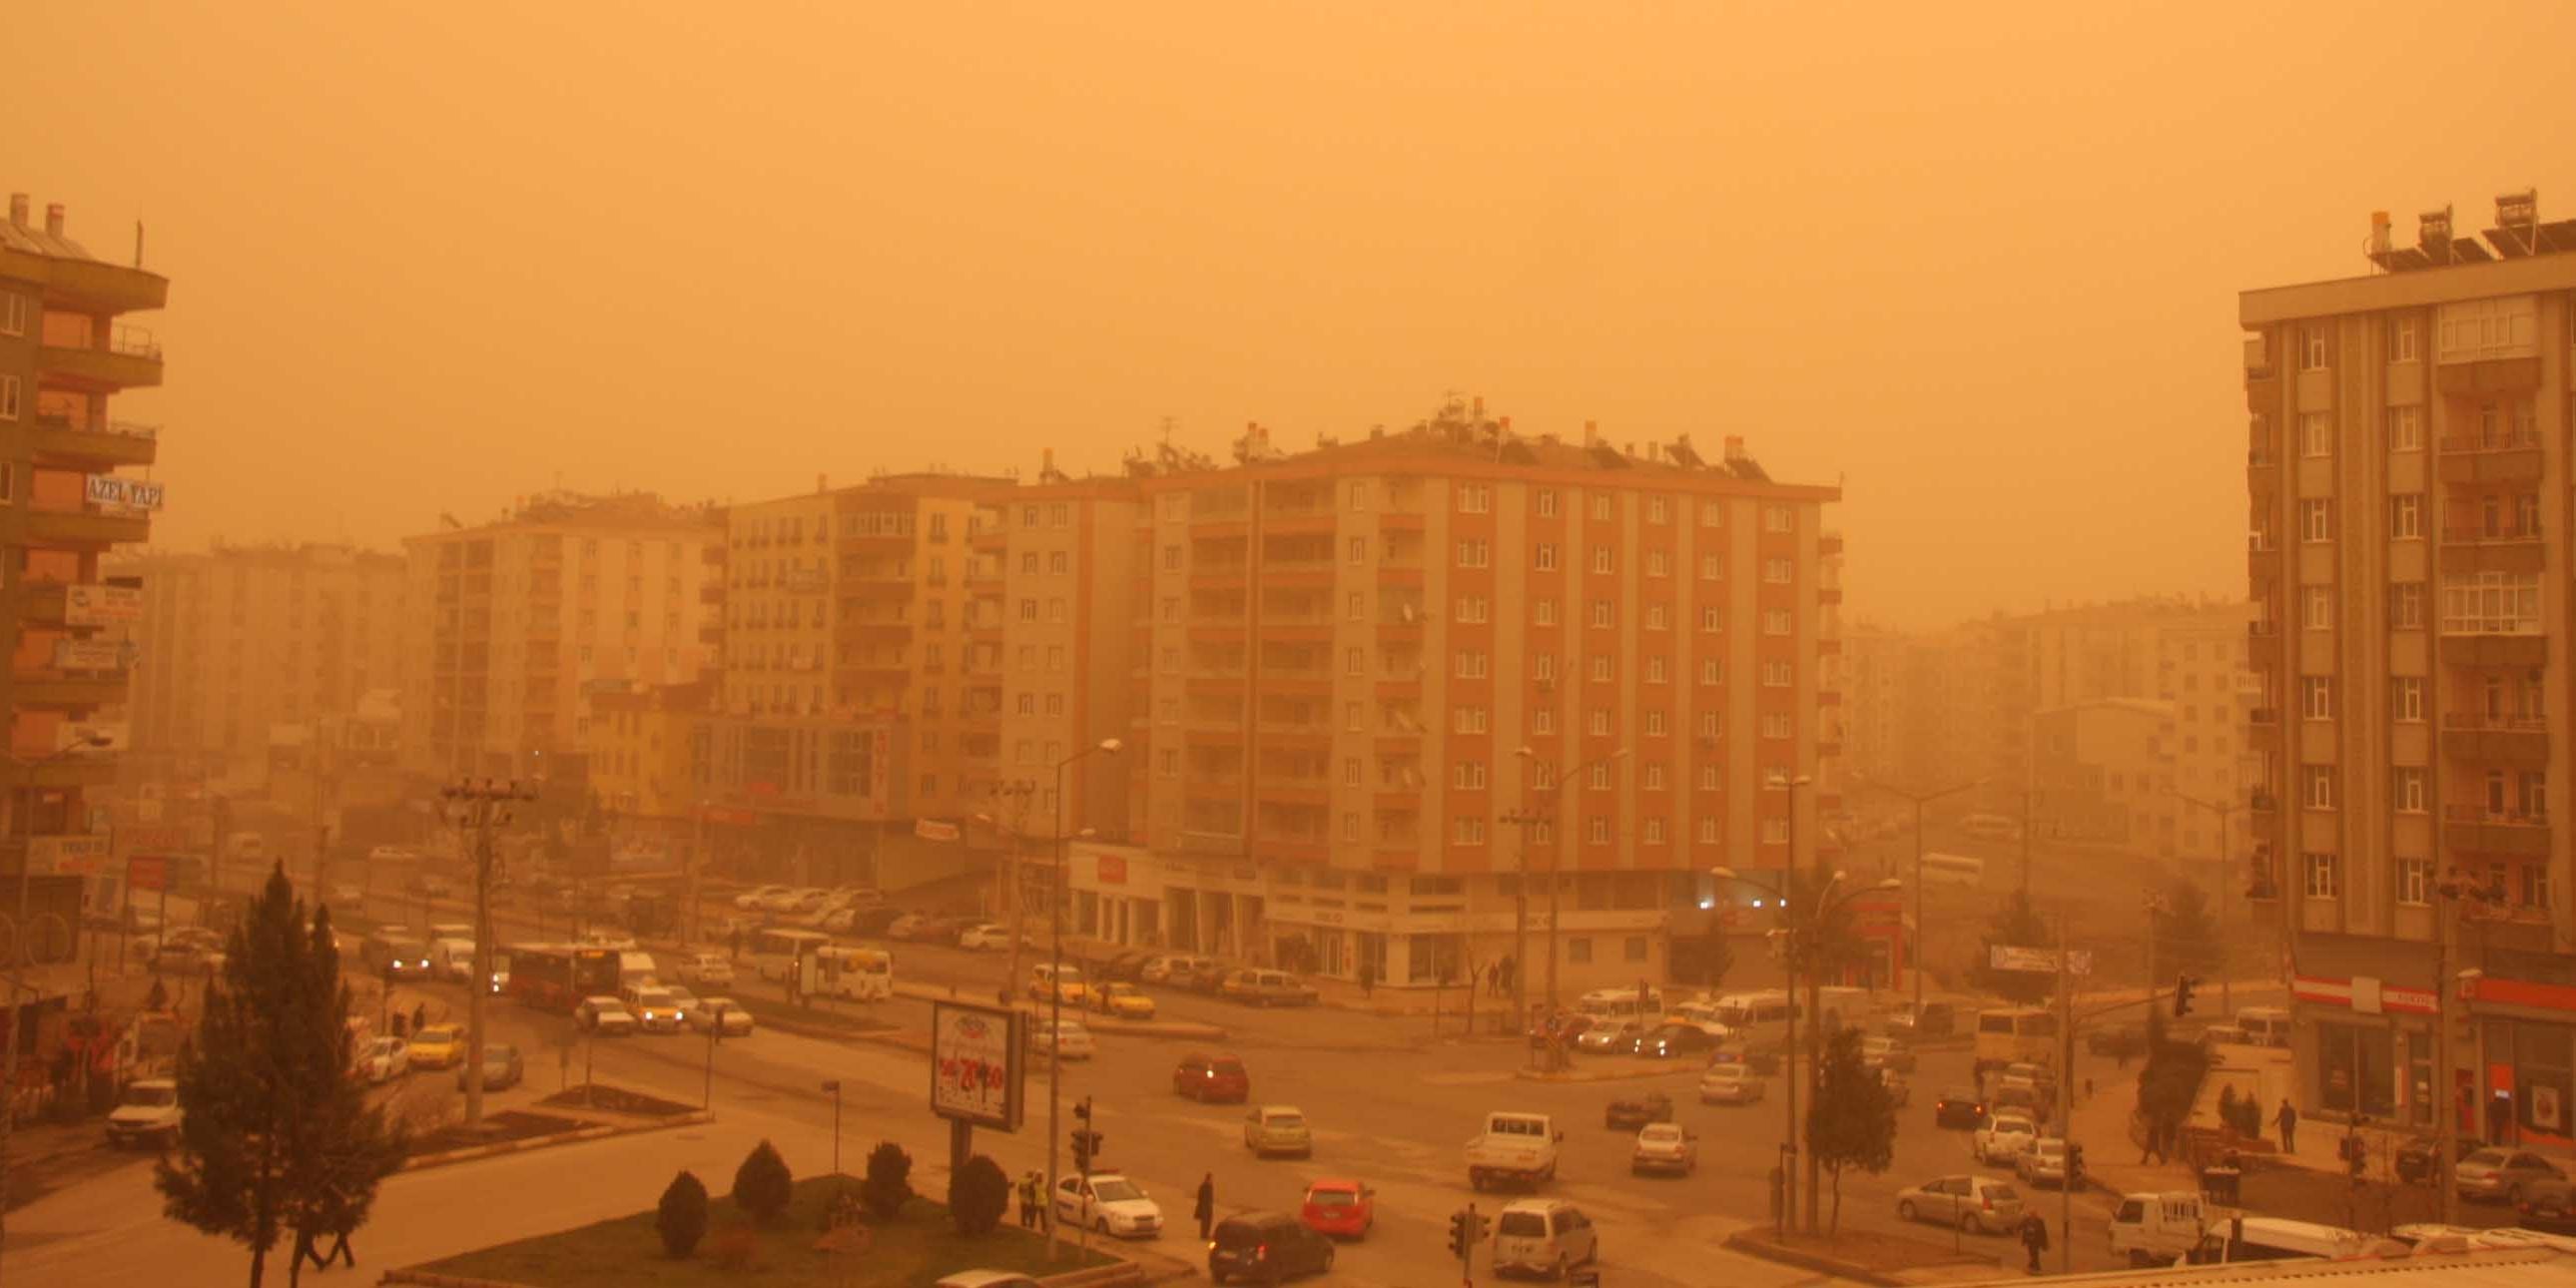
{"points": [[242, 640], [508, 623], [64, 357], [2408, 477], [1351, 666]]}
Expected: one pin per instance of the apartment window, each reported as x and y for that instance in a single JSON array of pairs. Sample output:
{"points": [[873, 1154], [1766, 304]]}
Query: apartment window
{"points": [[1059, 515], [1468, 719], [1657, 618], [1654, 722], [1651, 778], [2535, 885], [1475, 498], [1598, 722], [1027, 704], [2316, 520], [1350, 828], [1600, 507], [1779, 518], [1596, 829], [1055, 657], [1709, 724], [2316, 607], [2312, 348], [1546, 503], [1359, 496], [1058, 563], [2317, 786], [1171, 558], [13, 313], [1466, 775], [2406, 699], [1601, 614], [1775, 725], [1471, 664], [2406, 516], [1355, 606], [1712, 620], [1358, 550], [2491, 603], [1602, 559], [1544, 558], [1655, 671], [2406, 606], [1545, 668], [2535, 794], [1775, 621], [1775, 831], [1600, 668], [1474, 554], [1029, 563], [1654, 836], [1543, 720], [1778, 572], [2406, 429], [1711, 671], [1167, 761], [1708, 831], [1351, 718], [8, 482], [2415, 882], [1472, 608], [8, 398], [1354, 661], [1172, 611], [1469, 830], [1777, 675], [1543, 612], [1055, 610], [2316, 697], [1028, 516], [1712, 567], [1658, 564], [1655, 510], [2324, 881], [1712, 514], [2405, 342], [2316, 433], [2406, 789]]}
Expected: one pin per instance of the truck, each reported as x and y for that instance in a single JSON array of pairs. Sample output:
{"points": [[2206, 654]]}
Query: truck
{"points": [[1514, 1147], [2162, 1229]]}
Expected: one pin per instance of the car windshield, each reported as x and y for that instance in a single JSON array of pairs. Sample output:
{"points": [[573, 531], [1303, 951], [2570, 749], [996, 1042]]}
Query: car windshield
{"points": [[436, 1033], [1524, 1225], [2490, 1157], [1661, 1132], [1331, 1198], [1228, 1068], [1115, 1191], [147, 1094], [653, 997], [2011, 1124], [1288, 1121], [500, 1054]]}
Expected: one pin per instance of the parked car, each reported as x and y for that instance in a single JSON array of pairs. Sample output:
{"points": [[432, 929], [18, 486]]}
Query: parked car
{"points": [[1267, 988], [1128, 965], [1887, 1052], [2547, 1206], [1124, 1001], [988, 936], [872, 921], [1899, 1091], [1975, 1204], [1634, 1111], [186, 959], [503, 1067], [1763, 1060], [384, 1060], [1175, 968], [605, 1016], [2050, 1162], [1544, 1237], [1669, 1041], [1109, 1204], [1066, 1038], [438, 1046], [1211, 1078], [1730, 1084], [1958, 1108], [905, 926], [1207, 975], [1935, 1019], [713, 1012], [147, 1113], [2498, 1175], [2002, 1139], [348, 895], [2415, 1159], [1664, 1147], [704, 970], [1620, 1036], [1278, 1129], [1266, 1246], [1339, 1208]]}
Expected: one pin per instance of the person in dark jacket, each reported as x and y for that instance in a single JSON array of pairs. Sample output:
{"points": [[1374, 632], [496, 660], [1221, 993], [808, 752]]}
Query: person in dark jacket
{"points": [[1206, 1209], [2288, 1121], [2034, 1237]]}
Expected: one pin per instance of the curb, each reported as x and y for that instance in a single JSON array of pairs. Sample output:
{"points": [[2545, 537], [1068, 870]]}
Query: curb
{"points": [[1745, 1242], [600, 1132], [1527, 1074], [1090, 1020]]}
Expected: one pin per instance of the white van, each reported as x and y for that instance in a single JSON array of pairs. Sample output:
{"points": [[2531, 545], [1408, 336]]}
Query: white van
{"points": [[635, 968], [2265, 1025], [1615, 1004], [859, 974], [451, 959], [1741, 1011]]}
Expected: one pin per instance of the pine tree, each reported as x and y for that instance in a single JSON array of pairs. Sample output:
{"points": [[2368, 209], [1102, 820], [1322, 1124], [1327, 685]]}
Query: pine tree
{"points": [[276, 1134], [889, 1180], [1853, 1120], [2020, 926], [681, 1218], [762, 1186]]}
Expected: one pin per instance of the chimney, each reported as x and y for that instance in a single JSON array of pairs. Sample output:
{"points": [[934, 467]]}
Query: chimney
{"points": [[53, 219], [18, 209], [1591, 434], [1046, 464], [2379, 232], [1480, 406], [1735, 447]]}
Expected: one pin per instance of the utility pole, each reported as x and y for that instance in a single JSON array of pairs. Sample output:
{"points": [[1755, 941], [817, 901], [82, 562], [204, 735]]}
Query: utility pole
{"points": [[1914, 966], [2226, 997], [2066, 1090], [1556, 857], [2029, 824], [479, 810], [1523, 820], [1055, 989]]}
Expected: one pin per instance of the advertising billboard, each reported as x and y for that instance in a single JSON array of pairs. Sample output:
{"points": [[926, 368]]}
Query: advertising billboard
{"points": [[102, 605], [978, 1064]]}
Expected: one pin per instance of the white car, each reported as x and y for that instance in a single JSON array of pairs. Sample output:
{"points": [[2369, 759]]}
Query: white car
{"points": [[1069, 1040], [1109, 1204], [1544, 1237], [147, 1114], [704, 969], [711, 1011], [684, 1000], [654, 1009], [805, 900], [384, 1060], [606, 1016], [1665, 1147], [348, 896], [984, 935], [1730, 1084], [750, 900], [1618, 1038], [2001, 1141]]}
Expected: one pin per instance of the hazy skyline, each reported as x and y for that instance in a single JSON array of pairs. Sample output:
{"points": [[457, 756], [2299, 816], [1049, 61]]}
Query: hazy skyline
{"points": [[1983, 270]]}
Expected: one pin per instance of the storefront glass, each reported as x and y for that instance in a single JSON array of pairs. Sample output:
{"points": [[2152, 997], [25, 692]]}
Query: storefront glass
{"points": [[2543, 1052], [2356, 1070]]}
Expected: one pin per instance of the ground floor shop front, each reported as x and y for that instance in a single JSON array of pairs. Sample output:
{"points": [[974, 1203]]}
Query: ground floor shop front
{"points": [[2365, 1046]]}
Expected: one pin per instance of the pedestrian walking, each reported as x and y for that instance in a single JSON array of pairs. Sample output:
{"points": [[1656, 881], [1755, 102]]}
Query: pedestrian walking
{"points": [[2034, 1238], [733, 944], [1368, 978], [306, 1251], [420, 1017], [1206, 1209], [1029, 1201], [2288, 1121]]}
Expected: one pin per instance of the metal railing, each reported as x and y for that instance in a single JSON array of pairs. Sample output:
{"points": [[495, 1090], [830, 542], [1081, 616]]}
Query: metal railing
{"points": [[2511, 440], [2484, 817]]}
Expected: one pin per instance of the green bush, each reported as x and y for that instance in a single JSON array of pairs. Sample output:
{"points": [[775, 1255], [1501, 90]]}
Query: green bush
{"points": [[762, 1186], [978, 1195], [889, 1181], [682, 1219]]}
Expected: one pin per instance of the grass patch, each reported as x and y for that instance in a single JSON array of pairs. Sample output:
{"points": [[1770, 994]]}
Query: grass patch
{"points": [[616, 1100], [918, 1246], [498, 1128]]}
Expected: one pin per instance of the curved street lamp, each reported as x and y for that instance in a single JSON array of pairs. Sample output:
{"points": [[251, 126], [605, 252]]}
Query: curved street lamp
{"points": [[1055, 988], [1555, 869]]}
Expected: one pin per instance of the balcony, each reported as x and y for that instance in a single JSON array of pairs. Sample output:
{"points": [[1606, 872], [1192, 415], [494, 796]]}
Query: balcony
{"points": [[2505, 457], [2477, 550], [2475, 829], [1829, 543], [131, 359], [2262, 556], [2262, 802], [67, 689], [2517, 740], [50, 526], [2262, 629], [2263, 717], [62, 439]]}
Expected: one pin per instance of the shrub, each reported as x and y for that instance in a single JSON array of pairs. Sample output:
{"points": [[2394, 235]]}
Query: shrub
{"points": [[978, 1195], [889, 1181], [762, 1186], [682, 1219]]}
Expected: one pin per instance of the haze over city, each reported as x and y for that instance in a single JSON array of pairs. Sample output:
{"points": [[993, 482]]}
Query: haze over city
{"points": [[1977, 262]]}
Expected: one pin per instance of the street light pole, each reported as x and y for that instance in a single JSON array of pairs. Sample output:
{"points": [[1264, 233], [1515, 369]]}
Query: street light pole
{"points": [[1556, 859], [480, 809], [2226, 999], [1055, 990], [1920, 799]]}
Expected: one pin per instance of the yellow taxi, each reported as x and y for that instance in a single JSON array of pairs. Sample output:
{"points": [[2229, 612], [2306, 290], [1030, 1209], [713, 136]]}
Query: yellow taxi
{"points": [[438, 1046], [1122, 1001]]}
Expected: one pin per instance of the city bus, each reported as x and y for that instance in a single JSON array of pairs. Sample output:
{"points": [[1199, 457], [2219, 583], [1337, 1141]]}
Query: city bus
{"points": [[859, 974], [777, 951], [2019, 1035], [555, 977], [1953, 869], [1990, 827]]}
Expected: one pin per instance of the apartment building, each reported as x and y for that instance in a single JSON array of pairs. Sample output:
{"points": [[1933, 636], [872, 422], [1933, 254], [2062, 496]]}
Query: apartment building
{"points": [[241, 641], [65, 357], [510, 623], [1374, 683], [641, 742], [2409, 499]]}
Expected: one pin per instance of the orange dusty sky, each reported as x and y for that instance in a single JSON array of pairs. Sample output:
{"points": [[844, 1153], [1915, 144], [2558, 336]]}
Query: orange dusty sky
{"points": [[1984, 270]]}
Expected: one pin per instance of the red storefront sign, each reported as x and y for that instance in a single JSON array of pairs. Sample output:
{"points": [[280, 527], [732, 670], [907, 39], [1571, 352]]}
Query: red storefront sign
{"points": [[147, 872], [1113, 869]]}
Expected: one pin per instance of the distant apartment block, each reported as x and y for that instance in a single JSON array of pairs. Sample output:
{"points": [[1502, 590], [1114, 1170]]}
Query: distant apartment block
{"points": [[2407, 473], [66, 354]]}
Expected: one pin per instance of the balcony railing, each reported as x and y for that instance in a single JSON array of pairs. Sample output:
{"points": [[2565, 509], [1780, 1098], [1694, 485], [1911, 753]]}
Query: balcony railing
{"points": [[2262, 629], [2480, 722], [2481, 537], [2485, 817], [2262, 802], [2260, 543], [121, 428], [2263, 716], [2506, 441]]}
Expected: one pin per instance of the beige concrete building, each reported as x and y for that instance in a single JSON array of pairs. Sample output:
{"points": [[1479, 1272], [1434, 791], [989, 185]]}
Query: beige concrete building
{"points": [[241, 641], [510, 622], [2106, 774], [2408, 484], [74, 484]]}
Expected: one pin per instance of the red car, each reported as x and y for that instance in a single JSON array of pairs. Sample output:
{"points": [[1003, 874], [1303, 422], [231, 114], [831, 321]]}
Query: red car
{"points": [[1211, 1077], [1339, 1209]]}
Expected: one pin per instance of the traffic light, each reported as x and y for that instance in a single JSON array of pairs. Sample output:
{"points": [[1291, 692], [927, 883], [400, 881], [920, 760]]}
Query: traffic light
{"points": [[2183, 984], [1083, 1109], [1081, 1152], [1459, 1239]]}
